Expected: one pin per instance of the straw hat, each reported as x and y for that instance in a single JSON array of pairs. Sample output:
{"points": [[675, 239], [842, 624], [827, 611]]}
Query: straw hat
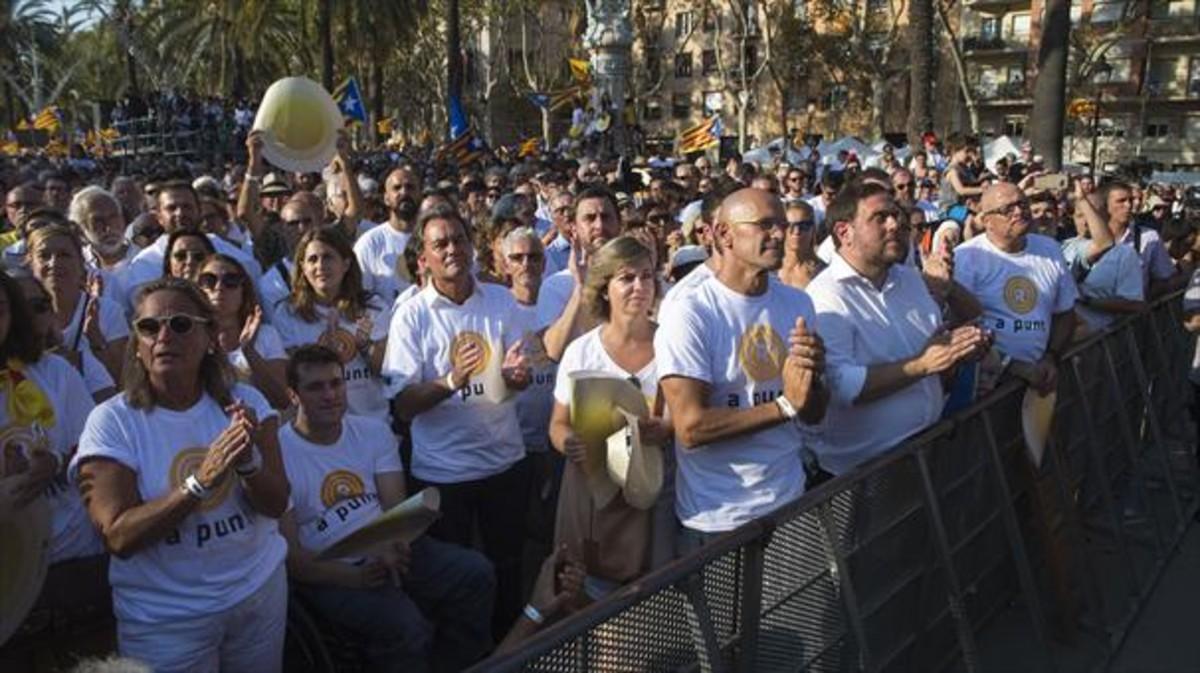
{"points": [[635, 467], [301, 122]]}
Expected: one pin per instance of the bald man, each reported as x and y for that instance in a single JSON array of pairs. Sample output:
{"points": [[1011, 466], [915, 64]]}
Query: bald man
{"points": [[734, 387], [1024, 285], [379, 248]]}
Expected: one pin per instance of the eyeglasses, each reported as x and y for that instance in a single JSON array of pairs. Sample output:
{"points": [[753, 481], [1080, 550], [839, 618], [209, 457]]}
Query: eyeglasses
{"points": [[40, 305], [903, 186], [189, 255], [210, 281], [765, 225], [563, 210], [1016, 207], [523, 257], [179, 324], [802, 225]]}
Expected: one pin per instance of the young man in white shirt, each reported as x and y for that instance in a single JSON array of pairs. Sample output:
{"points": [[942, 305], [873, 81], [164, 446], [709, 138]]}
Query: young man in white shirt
{"points": [[381, 248], [560, 302], [734, 387], [1022, 281], [454, 358], [1109, 276], [345, 471], [1159, 275], [886, 348]]}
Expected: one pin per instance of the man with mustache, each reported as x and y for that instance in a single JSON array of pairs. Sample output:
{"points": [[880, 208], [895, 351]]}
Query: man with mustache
{"points": [[98, 214], [379, 249]]}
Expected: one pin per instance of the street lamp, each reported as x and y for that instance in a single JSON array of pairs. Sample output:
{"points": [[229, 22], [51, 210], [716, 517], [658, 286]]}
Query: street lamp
{"points": [[1100, 68]]}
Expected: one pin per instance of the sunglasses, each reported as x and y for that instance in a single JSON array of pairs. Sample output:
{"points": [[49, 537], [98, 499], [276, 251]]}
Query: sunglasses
{"points": [[210, 281], [188, 255], [179, 324], [302, 222], [802, 225]]}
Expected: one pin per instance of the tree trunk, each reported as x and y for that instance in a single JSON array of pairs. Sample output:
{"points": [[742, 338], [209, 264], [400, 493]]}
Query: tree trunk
{"points": [[325, 31], [546, 136], [960, 68], [453, 54], [239, 72], [920, 80], [741, 113], [376, 92], [10, 105], [1050, 87], [879, 85]]}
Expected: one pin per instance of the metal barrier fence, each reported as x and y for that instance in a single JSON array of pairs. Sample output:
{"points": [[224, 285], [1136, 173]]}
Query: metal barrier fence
{"points": [[950, 552]]}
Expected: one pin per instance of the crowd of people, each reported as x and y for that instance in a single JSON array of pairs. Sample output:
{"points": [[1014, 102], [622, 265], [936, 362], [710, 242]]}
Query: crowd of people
{"points": [[214, 378]]}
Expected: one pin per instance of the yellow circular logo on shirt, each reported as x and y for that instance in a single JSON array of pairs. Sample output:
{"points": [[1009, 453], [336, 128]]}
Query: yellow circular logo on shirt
{"points": [[761, 353], [475, 338], [18, 442], [341, 342], [340, 485], [1020, 294], [188, 461]]}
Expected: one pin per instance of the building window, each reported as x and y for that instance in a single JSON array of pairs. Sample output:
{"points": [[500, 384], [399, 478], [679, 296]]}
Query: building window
{"points": [[1122, 70], [1157, 129], [710, 19], [683, 64], [708, 61], [714, 103], [1164, 78], [1171, 9], [989, 28], [1193, 81], [1018, 28], [1014, 127], [653, 111], [1076, 12], [681, 106], [1107, 11], [683, 23], [879, 6]]}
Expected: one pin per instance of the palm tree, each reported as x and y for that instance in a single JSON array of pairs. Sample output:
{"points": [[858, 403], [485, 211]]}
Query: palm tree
{"points": [[394, 21], [26, 27]]}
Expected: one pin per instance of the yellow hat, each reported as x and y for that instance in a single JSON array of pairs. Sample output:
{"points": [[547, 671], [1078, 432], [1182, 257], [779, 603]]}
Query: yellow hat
{"points": [[301, 122]]}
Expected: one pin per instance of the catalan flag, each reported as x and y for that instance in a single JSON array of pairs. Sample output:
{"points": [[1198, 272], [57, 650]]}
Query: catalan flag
{"points": [[529, 147], [553, 100], [702, 136], [47, 120], [581, 70], [384, 126], [350, 101], [464, 150]]}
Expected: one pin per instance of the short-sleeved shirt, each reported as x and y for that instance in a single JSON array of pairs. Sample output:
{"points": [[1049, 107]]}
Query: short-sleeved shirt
{"points": [[333, 485], [1116, 275], [474, 433], [1156, 261], [553, 297], [379, 250], [685, 285], [863, 327], [216, 556], [364, 388], [737, 345], [1021, 292], [587, 353]]}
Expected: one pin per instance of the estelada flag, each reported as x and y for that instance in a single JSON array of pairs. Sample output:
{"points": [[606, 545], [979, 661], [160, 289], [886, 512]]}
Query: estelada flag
{"points": [[529, 147], [47, 120], [702, 136]]}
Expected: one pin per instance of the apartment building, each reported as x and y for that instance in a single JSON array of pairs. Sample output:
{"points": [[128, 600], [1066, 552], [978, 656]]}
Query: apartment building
{"points": [[1147, 83]]}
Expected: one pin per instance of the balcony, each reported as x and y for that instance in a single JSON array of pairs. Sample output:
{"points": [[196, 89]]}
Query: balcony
{"points": [[996, 6], [1008, 93], [990, 45], [1175, 30]]}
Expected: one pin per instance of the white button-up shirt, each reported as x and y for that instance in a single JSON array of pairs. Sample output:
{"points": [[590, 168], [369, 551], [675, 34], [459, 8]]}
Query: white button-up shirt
{"points": [[863, 327]]}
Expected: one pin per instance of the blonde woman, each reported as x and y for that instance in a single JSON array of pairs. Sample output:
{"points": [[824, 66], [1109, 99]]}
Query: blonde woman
{"points": [[614, 541]]}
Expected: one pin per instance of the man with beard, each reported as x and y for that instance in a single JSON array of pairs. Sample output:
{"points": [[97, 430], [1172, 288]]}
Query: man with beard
{"points": [[379, 249], [887, 352], [560, 302], [98, 214], [1043, 214]]}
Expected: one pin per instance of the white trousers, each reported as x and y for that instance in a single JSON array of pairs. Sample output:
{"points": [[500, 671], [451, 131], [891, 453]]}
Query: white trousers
{"points": [[246, 638]]}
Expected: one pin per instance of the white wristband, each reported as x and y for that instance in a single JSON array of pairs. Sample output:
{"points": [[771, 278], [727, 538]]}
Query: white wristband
{"points": [[194, 488], [786, 407], [251, 468], [449, 381], [534, 614]]}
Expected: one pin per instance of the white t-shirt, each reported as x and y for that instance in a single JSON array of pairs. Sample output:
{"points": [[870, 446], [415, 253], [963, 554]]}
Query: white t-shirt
{"points": [[535, 403], [379, 251], [147, 266], [408, 293], [95, 376], [863, 327], [587, 353], [269, 347], [275, 288], [113, 323], [333, 485], [115, 277], [1020, 292], [364, 389], [468, 435], [553, 297], [736, 344], [1116, 275], [685, 285], [222, 552], [72, 534]]}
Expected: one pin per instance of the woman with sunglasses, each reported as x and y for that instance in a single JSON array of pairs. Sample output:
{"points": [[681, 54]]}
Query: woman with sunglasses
{"points": [[186, 249], [41, 308], [800, 262], [619, 290], [83, 316], [253, 346], [182, 477], [328, 306]]}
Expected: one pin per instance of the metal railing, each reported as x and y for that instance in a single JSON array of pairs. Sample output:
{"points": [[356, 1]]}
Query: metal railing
{"points": [[952, 551]]}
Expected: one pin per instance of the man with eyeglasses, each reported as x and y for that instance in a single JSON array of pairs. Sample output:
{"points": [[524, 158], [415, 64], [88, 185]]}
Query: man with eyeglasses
{"points": [[831, 183], [794, 187], [379, 249], [558, 250], [455, 356], [1024, 285], [889, 356], [741, 367], [18, 203]]}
